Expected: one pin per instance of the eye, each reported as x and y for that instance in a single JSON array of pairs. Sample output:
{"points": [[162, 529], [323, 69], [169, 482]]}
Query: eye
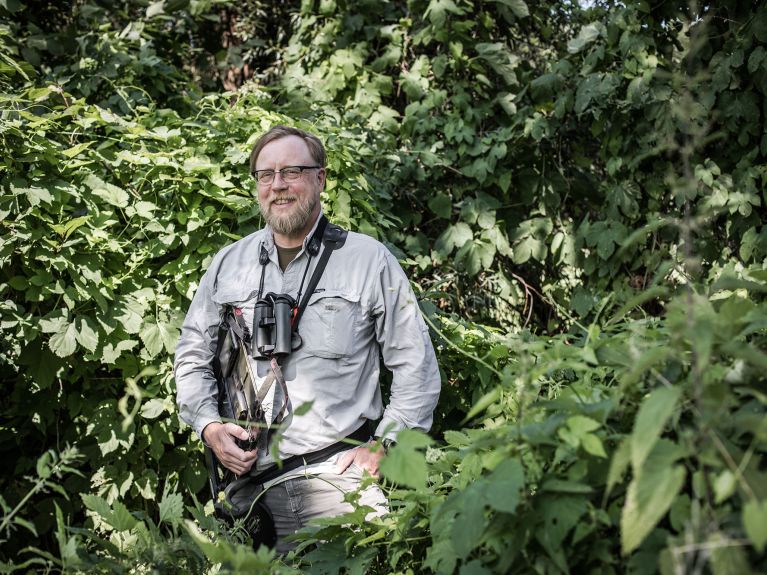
{"points": [[291, 173], [265, 175]]}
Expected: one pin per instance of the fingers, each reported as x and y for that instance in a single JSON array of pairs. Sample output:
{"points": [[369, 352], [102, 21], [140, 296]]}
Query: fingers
{"points": [[236, 431], [363, 457], [345, 460], [230, 455]]}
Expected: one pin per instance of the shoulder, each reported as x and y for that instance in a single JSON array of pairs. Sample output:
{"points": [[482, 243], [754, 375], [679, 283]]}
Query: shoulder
{"points": [[244, 247], [365, 245]]}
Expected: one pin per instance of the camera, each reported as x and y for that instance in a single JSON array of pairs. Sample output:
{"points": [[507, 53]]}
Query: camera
{"points": [[272, 327]]}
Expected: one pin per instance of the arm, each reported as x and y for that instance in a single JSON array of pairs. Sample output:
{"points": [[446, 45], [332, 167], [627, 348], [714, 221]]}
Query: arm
{"points": [[407, 351], [196, 388]]}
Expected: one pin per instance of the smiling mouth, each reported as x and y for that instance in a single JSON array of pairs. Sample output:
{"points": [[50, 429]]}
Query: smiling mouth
{"points": [[283, 201]]}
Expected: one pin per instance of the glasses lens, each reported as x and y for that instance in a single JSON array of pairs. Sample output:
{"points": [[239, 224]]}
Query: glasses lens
{"points": [[265, 176], [290, 174]]}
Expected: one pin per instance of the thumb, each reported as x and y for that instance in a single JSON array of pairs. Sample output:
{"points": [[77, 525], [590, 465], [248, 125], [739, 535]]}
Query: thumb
{"points": [[236, 431]]}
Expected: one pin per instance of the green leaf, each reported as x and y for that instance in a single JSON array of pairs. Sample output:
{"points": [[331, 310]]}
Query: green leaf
{"points": [[120, 518], [171, 508], [158, 335], [97, 504], [454, 236], [153, 408], [303, 409], [651, 493], [593, 445], [34, 195], [580, 424], [108, 192], [64, 343], [618, 465], [404, 463], [69, 227], [504, 485], [755, 522], [650, 421], [441, 205], [111, 352], [586, 36], [518, 7], [86, 336]]}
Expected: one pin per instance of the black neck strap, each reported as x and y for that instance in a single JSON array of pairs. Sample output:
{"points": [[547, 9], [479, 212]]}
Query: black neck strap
{"points": [[333, 238]]}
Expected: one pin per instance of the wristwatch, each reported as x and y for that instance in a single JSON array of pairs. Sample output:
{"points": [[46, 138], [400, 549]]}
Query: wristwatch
{"points": [[386, 443]]}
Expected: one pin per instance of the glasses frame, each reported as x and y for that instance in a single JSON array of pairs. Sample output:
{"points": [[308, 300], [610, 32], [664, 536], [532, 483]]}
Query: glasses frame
{"points": [[281, 171]]}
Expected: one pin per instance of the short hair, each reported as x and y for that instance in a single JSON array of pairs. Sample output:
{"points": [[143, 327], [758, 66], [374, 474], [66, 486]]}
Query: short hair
{"points": [[316, 149]]}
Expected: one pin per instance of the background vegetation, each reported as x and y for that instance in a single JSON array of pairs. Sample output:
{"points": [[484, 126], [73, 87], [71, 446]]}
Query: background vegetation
{"points": [[577, 192]]}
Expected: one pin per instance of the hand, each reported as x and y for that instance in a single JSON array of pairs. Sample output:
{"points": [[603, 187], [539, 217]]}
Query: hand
{"points": [[365, 457], [220, 437]]}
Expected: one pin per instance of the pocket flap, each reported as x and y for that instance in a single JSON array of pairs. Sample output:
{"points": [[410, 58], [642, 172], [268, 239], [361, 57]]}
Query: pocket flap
{"points": [[232, 295], [318, 296]]}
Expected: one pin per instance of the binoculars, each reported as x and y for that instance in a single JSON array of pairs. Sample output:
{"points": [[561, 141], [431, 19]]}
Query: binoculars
{"points": [[272, 326]]}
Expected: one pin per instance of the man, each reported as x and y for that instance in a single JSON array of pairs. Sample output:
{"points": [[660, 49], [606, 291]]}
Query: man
{"points": [[363, 308]]}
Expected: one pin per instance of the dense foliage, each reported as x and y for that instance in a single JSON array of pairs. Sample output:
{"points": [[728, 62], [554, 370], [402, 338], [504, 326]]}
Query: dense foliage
{"points": [[577, 193]]}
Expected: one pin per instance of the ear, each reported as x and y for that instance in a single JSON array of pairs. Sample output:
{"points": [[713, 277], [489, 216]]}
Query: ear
{"points": [[321, 177]]}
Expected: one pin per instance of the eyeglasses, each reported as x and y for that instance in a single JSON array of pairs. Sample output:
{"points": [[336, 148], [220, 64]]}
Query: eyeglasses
{"points": [[288, 174]]}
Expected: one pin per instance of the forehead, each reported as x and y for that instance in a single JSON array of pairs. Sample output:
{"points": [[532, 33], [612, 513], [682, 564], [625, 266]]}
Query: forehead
{"points": [[286, 151]]}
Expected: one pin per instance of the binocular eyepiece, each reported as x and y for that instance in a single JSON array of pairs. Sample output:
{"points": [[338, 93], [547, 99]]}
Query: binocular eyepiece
{"points": [[272, 326]]}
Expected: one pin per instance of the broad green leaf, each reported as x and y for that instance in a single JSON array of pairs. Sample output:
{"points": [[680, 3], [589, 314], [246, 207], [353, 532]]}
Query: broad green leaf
{"points": [[69, 227], [455, 236], [518, 7], [755, 523], [619, 464], [503, 486], [653, 414], [64, 343], [404, 463], [120, 518], [86, 336], [111, 352], [153, 408], [97, 504], [586, 36], [593, 445], [77, 149], [108, 192], [441, 205], [35, 195], [470, 522], [651, 493], [580, 424], [171, 508]]}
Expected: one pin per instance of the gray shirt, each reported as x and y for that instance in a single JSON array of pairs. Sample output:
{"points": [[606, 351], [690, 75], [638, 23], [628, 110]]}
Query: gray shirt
{"points": [[363, 308]]}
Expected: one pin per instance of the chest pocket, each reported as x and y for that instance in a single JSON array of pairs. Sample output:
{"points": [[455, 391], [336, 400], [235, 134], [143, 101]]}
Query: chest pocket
{"points": [[233, 296], [328, 324]]}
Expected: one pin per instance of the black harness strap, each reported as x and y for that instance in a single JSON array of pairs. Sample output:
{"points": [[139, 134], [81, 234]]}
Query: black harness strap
{"points": [[333, 238], [361, 434]]}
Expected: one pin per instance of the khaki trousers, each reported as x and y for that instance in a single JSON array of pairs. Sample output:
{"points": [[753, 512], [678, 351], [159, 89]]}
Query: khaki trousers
{"points": [[297, 501]]}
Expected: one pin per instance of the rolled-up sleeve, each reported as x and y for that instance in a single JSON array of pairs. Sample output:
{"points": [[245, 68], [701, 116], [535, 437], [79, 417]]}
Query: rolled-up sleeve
{"points": [[407, 351], [196, 390]]}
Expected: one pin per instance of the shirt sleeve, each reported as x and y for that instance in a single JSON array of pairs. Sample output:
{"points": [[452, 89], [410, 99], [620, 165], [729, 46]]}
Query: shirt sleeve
{"points": [[196, 389], [407, 351]]}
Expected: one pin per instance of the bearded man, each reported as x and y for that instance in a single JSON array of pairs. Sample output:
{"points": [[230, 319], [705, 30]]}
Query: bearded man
{"points": [[363, 309]]}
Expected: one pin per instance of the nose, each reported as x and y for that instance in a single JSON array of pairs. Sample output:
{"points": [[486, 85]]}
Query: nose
{"points": [[278, 183]]}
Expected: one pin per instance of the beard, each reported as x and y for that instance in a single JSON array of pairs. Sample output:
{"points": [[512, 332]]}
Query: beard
{"points": [[296, 220]]}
